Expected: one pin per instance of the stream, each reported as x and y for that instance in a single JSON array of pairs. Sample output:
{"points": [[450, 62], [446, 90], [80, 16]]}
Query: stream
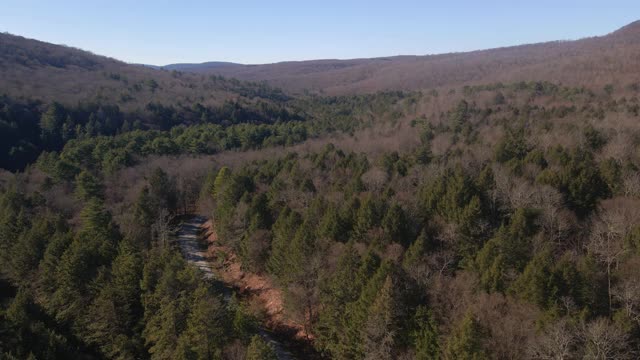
{"points": [[194, 252]]}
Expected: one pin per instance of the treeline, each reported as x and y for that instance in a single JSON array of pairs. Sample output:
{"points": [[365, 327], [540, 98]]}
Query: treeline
{"points": [[106, 155], [93, 289], [27, 128]]}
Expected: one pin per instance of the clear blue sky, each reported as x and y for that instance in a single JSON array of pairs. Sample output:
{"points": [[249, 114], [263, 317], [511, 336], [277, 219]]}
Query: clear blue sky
{"points": [[161, 32]]}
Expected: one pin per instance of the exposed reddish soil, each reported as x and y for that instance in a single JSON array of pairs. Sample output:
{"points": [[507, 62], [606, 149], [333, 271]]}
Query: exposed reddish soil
{"points": [[257, 288]]}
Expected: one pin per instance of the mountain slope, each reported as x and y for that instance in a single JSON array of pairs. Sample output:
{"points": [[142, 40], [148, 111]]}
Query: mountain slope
{"points": [[43, 71], [591, 61]]}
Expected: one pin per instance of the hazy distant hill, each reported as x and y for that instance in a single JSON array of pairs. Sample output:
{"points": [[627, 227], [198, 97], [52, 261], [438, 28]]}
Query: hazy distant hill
{"points": [[203, 67], [44, 71], [591, 61]]}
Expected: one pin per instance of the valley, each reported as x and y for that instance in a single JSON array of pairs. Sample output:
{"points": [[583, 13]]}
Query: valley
{"points": [[470, 205]]}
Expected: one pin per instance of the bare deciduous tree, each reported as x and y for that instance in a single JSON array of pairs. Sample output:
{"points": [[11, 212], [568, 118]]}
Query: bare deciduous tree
{"points": [[628, 294], [162, 228], [632, 185], [555, 343], [375, 179], [615, 220], [604, 340]]}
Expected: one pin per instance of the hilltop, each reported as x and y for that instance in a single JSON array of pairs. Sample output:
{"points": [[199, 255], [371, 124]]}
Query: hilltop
{"points": [[590, 61], [44, 71]]}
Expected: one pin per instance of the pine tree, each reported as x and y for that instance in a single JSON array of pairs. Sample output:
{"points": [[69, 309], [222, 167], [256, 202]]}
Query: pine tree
{"points": [[337, 294], [284, 231], [28, 249], [88, 186], [162, 331], [302, 248], [259, 350], [162, 190], [243, 324], [425, 335], [205, 331], [394, 224], [144, 215], [331, 226], [381, 326], [414, 254], [221, 181], [48, 267], [460, 116], [466, 341], [51, 126], [367, 217], [351, 344]]}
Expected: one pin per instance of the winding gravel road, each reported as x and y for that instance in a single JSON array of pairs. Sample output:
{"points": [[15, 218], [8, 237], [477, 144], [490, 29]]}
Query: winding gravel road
{"points": [[194, 253]]}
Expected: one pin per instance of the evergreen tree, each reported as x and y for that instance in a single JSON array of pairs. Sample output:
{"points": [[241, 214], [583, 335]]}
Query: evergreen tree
{"points": [[414, 254], [259, 350], [51, 126], [381, 328], [394, 225], [425, 335], [467, 340], [339, 291], [510, 249], [284, 231], [367, 217], [221, 181], [88, 186], [162, 191], [205, 330], [351, 344]]}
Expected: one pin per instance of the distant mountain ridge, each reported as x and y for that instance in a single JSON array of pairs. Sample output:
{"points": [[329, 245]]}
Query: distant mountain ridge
{"points": [[43, 71], [589, 61], [199, 67], [55, 72]]}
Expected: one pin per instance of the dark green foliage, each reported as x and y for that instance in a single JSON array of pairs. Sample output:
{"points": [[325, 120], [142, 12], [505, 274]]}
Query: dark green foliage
{"points": [[595, 140], [88, 186], [27, 332], [509, 249], [513, 146], [382, 324], [183, 319], [259, 350], [459, 116], [205, 332], [547, 282], [395, 224], [114, 314], [579, 179], [467, 341], [369, 214], [425, 335], [284, 230], [455, 197], [611, 172], [162, 191]]}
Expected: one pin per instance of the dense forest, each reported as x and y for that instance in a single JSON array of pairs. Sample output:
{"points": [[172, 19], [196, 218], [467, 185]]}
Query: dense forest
{"points": [[491, 221]]}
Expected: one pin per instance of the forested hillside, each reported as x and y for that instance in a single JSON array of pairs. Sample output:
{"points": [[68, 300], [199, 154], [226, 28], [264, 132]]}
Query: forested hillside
{"points": [[478, 221], [34, 69], [593, 61]]}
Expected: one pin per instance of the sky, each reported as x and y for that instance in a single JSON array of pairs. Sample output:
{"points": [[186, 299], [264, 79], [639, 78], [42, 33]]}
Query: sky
{"points": [[255, 32]]}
